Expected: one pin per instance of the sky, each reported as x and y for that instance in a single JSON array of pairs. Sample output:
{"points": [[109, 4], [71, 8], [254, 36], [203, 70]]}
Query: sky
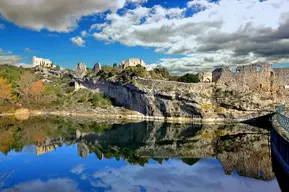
{"points": [[183, 35]]}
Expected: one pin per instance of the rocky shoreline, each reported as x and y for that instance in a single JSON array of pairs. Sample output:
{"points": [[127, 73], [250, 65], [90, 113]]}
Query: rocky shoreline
{"points": [[126, 115]]}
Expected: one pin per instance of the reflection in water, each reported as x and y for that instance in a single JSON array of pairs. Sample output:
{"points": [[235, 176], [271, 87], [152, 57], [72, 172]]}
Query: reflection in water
{"points": [[149, 156], [280, 158]]}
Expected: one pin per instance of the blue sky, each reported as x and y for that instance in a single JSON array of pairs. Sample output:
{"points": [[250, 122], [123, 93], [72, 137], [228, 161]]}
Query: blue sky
{"points": [[182, 35]]}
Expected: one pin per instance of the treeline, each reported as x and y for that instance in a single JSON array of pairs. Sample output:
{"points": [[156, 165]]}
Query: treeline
{"points": [[128, 73]]}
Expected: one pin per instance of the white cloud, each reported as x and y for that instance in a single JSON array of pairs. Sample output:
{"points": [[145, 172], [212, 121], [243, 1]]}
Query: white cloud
{"points": [[2, 26], [97, 26], [226, 28], [199, 4], [60, 16], [78, 41], [84, 34], [78, 169], [24, 65], [198, 62], [205, 176], [137, 1], [10, 59]]}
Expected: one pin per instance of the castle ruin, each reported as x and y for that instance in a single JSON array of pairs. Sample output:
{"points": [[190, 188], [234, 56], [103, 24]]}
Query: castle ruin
{"points": [[41, 62], [259, 77], [96, 67], [131, 62], [81, 69]]}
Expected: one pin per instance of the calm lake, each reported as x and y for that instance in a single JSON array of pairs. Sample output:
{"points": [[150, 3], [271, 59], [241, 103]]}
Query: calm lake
{"points": [[67, 155]]}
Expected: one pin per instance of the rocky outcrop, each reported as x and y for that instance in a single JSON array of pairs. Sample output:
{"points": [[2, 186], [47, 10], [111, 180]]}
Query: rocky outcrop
{"points": [[96, 68], [170, 99], [80, 69]]}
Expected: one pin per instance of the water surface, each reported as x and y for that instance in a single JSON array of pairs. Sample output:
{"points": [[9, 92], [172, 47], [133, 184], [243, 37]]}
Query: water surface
{"points": [[59, 155]]}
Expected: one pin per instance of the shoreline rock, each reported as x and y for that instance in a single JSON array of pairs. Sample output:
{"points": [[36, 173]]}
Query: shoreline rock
{"points": [[126, 116]]}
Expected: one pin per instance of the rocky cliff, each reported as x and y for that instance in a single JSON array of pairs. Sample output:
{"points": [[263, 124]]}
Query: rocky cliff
{"points": [[169, 99]]}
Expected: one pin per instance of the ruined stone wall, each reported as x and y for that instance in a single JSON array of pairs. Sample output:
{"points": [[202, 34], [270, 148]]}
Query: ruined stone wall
{"points": [[205, 77], [281, 79], [281, 76], [249, 78]]}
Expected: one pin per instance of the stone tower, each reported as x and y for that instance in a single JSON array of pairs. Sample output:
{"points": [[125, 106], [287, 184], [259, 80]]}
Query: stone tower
{"points": [[80, 69], [97, 67]]}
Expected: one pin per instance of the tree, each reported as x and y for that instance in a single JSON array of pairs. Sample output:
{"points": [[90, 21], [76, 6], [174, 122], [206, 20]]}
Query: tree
{"points": [[36, 91], [132, 71], [162, 71], [10, 73], [6, 141], [26, 79], [189, 78], [114, 65], [37, 88], [108, 71], [5, 90]]}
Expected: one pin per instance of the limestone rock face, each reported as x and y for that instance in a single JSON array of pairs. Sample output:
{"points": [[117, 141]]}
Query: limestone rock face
{"points": [[167, 99], [96, 67], [249, 92], [80, 69]]}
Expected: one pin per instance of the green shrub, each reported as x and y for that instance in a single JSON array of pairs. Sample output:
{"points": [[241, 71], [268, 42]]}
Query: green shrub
{"points": [[107, 72], [130, 72], [11, 73], [189, 78], [162, 71], [99, 100]]}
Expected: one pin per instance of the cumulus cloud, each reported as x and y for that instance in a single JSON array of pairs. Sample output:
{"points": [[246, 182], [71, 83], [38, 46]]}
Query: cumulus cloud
{"points": [[199, 62], [229, 30], [10, 59], [78, 41], [60, 16], [205, 176], [84, 34], [137, 1], [6, 58]]}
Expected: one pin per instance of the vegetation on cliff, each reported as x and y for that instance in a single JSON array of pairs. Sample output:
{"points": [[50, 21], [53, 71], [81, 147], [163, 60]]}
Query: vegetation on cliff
{"points": [[128, 74], [28, 88]]}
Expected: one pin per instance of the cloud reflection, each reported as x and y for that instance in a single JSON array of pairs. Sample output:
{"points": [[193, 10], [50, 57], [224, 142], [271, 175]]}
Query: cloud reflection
{"points": [[78, 169], [205, 176], [51, 185]]}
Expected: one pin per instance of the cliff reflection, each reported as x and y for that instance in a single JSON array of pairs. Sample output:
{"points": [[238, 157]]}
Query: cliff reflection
{"points": [[238, 147]]}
